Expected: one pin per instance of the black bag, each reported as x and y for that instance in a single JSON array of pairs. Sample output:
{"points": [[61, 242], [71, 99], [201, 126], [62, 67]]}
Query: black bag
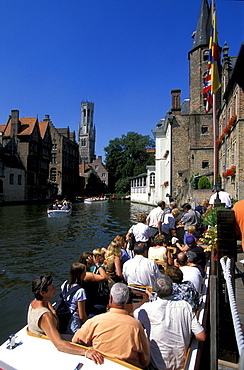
{"points": [[61, 308]]}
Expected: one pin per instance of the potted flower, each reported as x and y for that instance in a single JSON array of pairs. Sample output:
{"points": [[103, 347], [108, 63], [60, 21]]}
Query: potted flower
{"points": [[166, 183], [166, 154]]}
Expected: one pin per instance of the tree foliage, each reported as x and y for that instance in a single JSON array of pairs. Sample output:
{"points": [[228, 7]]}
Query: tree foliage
{"points": [[127, 157], [204, 183]]}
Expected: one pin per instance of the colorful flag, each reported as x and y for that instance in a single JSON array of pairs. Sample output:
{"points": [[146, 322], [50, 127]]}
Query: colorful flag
{"points": [[212, 76]]}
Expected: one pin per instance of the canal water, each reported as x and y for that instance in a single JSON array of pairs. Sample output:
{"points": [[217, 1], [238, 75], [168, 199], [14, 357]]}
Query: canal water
{"points": [[32, 244]]}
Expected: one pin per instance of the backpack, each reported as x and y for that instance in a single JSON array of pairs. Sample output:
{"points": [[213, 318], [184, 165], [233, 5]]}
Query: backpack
{"points": [[61, 308]]}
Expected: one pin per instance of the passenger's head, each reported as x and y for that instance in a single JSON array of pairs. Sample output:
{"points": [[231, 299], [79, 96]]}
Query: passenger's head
{"points": [[172, 205], [141, 217], [182, 259], [121, 239], [99, 255], [164, 287], [174, 273], [204, 203], [159, 239], [77, 273], [87, 259], [161, 204], [120, 294], [191, 229], [41, 284], [140, 248], [175, 212], [190, 241], [113, 250], [191, 256], [186, 207]]}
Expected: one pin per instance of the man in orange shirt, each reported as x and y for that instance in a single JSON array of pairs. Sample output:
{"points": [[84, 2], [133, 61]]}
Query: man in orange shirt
{"points": [[116, 334], [239, 219]]}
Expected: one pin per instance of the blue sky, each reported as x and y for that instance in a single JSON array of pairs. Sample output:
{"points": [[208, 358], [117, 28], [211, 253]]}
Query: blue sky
{"points": [[124, 55]]}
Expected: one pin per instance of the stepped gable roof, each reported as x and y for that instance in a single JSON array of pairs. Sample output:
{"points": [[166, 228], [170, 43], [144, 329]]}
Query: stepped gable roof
{"points": [[27, 125], [43, 128], [201, 35], [2, 128]]}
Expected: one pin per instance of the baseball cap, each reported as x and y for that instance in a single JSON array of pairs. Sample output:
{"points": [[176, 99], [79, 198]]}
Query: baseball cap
{"points": [[190, 240]]}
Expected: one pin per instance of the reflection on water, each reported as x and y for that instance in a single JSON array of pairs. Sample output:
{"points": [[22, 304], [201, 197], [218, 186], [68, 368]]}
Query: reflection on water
{"points": [[32, 244]]}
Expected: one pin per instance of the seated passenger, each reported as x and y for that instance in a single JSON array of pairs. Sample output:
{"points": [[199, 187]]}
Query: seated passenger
{"points": [[159, 252], [115, 333], [75, 301], [169, 325], [189, 272], [141, 232], [140, 270], [123, 244], [91, 283], [183, 289], [42, 319], [112, 262]]}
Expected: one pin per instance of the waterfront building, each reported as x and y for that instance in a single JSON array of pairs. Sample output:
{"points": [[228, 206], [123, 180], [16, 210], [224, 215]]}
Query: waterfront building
{"points": [[28, 142], [87, 133], [231, 124], [64, 162], [184, 138]]}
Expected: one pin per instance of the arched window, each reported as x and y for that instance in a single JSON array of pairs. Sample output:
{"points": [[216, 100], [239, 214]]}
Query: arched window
{"points": [[152, 178], [53, 174]]}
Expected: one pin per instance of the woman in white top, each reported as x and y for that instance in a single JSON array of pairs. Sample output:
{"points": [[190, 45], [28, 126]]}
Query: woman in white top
{"points": [[76, 301], [160, 253]]}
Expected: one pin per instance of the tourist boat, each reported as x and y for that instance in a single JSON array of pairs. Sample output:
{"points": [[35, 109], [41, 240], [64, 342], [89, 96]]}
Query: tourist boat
{"points": [[59, 212], [29, 349], [95, 200], [38, 352]]}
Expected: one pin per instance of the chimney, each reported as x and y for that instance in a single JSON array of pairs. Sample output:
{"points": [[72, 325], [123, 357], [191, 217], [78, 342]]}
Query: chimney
{"points": [[47, 118], [14, 123], [176, 108]]}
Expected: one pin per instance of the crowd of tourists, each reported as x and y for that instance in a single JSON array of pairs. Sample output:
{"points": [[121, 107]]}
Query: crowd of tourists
{"points": [[161, 252]]}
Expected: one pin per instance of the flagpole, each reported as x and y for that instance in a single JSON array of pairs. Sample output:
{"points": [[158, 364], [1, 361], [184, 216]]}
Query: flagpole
{"points": [[215, 133]]}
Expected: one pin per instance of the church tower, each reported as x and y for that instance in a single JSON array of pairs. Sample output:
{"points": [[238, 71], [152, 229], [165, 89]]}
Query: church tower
{"points": [[87, 133], [198, 57]]}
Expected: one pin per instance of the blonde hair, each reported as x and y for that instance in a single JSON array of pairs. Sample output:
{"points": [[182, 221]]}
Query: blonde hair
{"points": [[98, 252], [141, 217], [204, 202], [191, 229], [175, 212], [113, 250]]}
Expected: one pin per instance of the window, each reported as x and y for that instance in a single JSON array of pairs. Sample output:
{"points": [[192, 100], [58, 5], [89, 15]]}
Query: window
{"points": [[103, 174], [96, 167], [53, 174], [54, 158], [152, 179], [19, 179], [205, 55], [83, 142], [11, 179], [205, 165], [54, 145], [204, 130]]}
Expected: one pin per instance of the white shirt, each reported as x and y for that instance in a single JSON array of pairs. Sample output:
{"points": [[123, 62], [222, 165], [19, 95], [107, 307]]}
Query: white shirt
{"points": [[169, 223], [224, 198], [141, 232], [169, 324], [141, 271], [191, 273], [154, 216]]}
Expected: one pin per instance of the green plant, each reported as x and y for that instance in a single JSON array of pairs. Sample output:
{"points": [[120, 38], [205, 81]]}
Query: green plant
{"points": [[204, 183], [210, 218], [210, 238]]}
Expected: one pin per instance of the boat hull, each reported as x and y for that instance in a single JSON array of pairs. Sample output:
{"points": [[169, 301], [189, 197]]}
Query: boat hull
{"points": [[35, 353], [59, 213], [92, 201]]}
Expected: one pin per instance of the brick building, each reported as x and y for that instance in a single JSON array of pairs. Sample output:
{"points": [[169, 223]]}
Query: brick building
{"points": [[64, 164], [28, 142], [231, 124]]}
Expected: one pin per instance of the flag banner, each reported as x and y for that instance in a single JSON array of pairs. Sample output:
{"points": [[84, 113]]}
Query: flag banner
{"points": [[212, 76]]}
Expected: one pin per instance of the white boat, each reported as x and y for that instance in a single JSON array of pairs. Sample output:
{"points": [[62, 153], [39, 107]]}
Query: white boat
{"points": [[95, 200], [59, 212], [36, 353]]}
